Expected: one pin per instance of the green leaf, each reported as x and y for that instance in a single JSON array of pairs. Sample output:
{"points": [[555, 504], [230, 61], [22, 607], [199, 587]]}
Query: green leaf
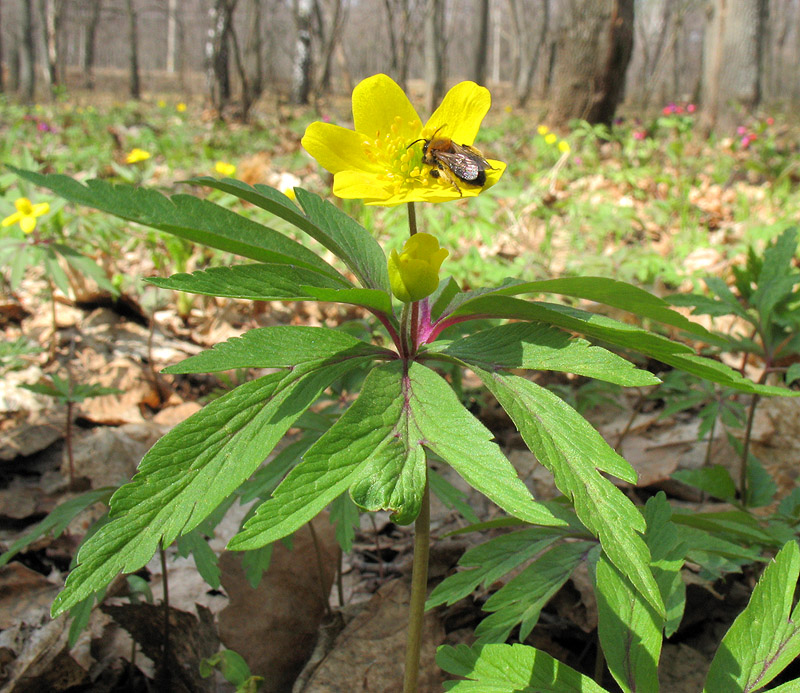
{"points": [[714, 480], [58, 520], [565, 443], [490, 561], [510, 669], [375, 449], [205, 560], [185, 216], [373, 299], [345, 517], [86, 266], [765, 637], [736, 525], [668, 551], [262, 282], [192, 469], [614, 293], [792, 373], [450, 496], [55, 272], [539, 347], [323, 221], [629, 630], [522, 599], [231, 665], [616, 333], [279, 346]]}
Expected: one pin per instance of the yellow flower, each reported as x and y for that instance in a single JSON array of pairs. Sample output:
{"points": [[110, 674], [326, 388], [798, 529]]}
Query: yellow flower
{"points": [[551, 138], [379, 161], [414, 272], [181, 107], [543, 130], [563, 146], [26, 214], [289, 192], [136, 155], [162, 103], [225, 169]]}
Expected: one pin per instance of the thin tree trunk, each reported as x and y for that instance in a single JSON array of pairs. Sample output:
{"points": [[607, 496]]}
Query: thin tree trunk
{"points": [[47, 12], [253, 57], [301, 72], [133, 52], [171, 35], [90, 42], [528, 63], [435, 53], [2, 79], [482, 44], [27, 69]]}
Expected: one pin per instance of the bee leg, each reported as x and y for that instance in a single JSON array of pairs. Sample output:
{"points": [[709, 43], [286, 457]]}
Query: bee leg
{"points": [[448, 175]]}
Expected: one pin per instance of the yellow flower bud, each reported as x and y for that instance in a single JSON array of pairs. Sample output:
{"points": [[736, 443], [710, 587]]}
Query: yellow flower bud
{"points": [[225, 169], [563, 146], [414, 272], [551, 138], [543, 130]]}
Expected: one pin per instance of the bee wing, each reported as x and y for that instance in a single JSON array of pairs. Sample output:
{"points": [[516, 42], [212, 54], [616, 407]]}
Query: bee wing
{"points": [[465, 166], [473, 153]]}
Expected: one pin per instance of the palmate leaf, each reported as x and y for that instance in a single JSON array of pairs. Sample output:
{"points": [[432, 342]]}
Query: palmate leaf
{"points": [[629, 630], [765, 637], [539, 347], [324, 222], [617, 333], [375, 449], [565, 443], [192, 469], [510, 669], [185, 216], [261, 282]]}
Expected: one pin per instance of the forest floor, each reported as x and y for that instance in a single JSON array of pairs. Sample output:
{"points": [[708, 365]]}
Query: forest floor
{"points": [[648, 201]]}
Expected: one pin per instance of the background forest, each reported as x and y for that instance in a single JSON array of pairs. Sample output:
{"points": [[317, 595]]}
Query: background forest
{"points": [[649, 204]]}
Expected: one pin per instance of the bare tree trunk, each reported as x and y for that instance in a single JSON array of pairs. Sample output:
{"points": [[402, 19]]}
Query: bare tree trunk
{"points": [[2, 79], [527, 63], [330, 25], [733, 62], [253, 57], [301, 71], [218, 43], [134, 83], [47, 12], [172, 26], [90, 42], [593, 52], [482, 44], [27, 70], [435, 53]]}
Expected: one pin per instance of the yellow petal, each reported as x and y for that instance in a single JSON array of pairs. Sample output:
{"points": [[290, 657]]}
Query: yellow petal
{"points": [[378, 103], [336, 148], [11, 220], [354, 185], [461, 112], [27, 224], [23, 205], [40, 208]]}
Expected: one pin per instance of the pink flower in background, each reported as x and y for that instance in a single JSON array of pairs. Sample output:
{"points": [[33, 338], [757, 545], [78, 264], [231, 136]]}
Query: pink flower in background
{"points": [[639, 134], [741, 130], [691, 108], [770, 121]]}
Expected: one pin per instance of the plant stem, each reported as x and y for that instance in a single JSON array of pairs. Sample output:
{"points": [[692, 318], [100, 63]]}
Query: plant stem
{"points": [[54, 334], [412, 219], [751, 415], [419, 589], [164, 674], [68, 443], [320, 570]]}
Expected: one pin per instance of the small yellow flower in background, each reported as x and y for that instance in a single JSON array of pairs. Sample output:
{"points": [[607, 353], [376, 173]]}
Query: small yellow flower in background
{"points": [[563, 146], [26, 214], [508, 108], [380, 162], [225, 169], [162, 103], [543, 130], [136, 155], [551, 138], [290, 193], [181, 107], [414, 272]]}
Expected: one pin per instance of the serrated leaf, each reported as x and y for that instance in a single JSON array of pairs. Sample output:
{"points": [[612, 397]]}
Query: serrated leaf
{"points": [[715, 480], [629, 630], [618, 334], [510, 669], [279, 346], [375, 449], [614, 293], [737, 525], [193, 468], [375, 300], [185, 216], [58, 519], [520, 601], [324, 222], [539, 347], [488, 562], [261, 282], [765, 637], [565, 443]]}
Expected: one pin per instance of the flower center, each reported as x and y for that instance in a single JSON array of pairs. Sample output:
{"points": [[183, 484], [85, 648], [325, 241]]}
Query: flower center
{"points": [[399, 160]]}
